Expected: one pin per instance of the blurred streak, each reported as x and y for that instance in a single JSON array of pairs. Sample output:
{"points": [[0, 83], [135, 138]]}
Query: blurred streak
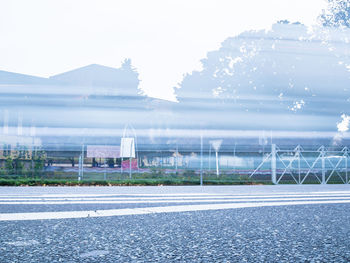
{"points": [[290, 82]]}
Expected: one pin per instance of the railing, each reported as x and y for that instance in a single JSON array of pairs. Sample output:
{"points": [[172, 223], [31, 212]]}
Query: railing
{"points": [[323, 165], [204, 165]]}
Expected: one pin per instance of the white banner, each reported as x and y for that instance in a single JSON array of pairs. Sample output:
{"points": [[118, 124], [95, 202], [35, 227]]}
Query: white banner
{"points": [[127, 148]]}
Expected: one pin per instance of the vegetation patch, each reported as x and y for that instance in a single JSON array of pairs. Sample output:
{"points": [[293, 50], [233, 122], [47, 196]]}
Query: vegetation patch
{"points": [[124, 182]]}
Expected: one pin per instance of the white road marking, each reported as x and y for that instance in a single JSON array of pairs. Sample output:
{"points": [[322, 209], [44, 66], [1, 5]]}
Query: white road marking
{"points": [[169, 197], [151, 210], [219, 201], [146, 201], [174, 195], [114, 194], [331, 192]]}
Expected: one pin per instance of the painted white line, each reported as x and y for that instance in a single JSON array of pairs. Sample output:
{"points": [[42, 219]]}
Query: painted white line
{"points": [[166, 201], [174, 195], [163, 198], [144, 201], [331, 192], [102, 195], [151, 210], [120, 197]]}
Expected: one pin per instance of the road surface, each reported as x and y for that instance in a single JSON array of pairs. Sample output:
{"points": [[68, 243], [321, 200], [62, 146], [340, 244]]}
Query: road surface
{"points": [[285, 223]]}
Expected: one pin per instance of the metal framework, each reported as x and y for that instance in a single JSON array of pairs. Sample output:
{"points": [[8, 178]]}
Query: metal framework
{"points": [[301, 165]]}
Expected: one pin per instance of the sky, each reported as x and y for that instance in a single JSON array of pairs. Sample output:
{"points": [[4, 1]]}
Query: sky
{"points": [[165, 39]]}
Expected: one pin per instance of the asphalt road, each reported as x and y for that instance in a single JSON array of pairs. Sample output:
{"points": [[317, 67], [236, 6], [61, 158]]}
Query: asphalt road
{"points": [[309, 223]]}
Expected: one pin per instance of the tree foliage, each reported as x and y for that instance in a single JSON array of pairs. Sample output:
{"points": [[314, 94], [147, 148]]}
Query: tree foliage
{"points": [[337, 14], [285, 69], [130, 76]]}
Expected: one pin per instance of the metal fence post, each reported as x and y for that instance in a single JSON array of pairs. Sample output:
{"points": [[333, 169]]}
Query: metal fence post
{"points": [[346, 155], [201, 171], [130, 167], [105, 171], [217, 164], [346, 168], [323, 165], [273, 163], [234, 160], [177, 150], [79, 166], [209, 158], [299, 172], [82, 161]]}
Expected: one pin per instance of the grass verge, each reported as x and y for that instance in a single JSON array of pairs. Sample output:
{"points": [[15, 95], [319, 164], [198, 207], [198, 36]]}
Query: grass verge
{"points": [[123, 182]]}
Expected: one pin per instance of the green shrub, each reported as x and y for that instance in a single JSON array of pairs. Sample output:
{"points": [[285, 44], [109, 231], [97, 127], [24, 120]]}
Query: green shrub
{"points": [[9, 167]]}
